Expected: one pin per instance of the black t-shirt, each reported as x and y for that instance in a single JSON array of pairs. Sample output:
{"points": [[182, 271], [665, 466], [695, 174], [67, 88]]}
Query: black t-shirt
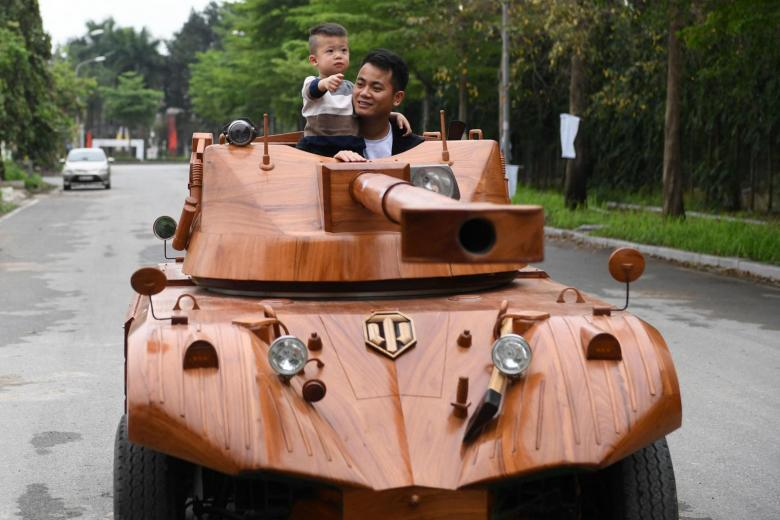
{"points": [[330, 146]]}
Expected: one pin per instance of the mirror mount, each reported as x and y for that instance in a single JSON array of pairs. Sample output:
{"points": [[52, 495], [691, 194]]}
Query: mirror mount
{"points": [[149, 281], [164, 228], [626, 265]]}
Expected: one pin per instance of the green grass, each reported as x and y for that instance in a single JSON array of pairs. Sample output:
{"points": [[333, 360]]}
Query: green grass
{"points": [[5, 207], [758, 242], [32, 181]]}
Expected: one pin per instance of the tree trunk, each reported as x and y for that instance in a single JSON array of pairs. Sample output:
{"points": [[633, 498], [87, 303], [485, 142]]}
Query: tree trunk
{"points": [[463, 97], [426, 110], [426, 102], [575, 181], [771, 174], [672, 168]]}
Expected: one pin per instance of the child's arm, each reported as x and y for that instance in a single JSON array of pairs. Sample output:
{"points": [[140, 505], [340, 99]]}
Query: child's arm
{"points": [[403, 123], [331, 83]]}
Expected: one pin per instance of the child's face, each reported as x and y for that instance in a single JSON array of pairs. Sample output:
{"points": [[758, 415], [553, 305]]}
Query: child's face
{"points": [[331, 56]]}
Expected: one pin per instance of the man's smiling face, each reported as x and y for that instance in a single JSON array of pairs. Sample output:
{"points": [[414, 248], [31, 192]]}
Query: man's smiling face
{"points": [[373, 95]]}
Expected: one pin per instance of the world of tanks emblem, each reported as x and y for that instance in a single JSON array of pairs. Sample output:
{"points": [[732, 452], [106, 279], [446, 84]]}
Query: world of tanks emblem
{"points": [[389, 332]]}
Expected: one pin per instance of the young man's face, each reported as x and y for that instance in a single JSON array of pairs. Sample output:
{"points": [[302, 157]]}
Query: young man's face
{"points": [[331, 56], [373, 95]]}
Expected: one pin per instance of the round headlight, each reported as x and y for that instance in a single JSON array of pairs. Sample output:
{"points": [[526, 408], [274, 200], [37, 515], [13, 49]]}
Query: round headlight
{"points": [[511, 354], [240, 132], [287, 355], [436, 178]]}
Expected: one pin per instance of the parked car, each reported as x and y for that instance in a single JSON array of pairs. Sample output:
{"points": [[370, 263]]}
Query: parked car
{"points": [[87, 166]]}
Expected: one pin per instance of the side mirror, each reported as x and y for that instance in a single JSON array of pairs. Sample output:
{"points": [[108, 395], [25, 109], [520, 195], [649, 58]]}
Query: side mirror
{"points": [[62, 160], [148, 281], [110, 159], [626, 264], [164, 227]]}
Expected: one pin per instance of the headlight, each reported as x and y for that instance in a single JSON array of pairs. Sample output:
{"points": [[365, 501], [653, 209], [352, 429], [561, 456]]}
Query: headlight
{"points": [[287, 355], [511, 354], [437, 178], [240, 132]]}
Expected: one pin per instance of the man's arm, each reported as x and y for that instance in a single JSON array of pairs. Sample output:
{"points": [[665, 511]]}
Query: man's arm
{"points": [[403, 123]]}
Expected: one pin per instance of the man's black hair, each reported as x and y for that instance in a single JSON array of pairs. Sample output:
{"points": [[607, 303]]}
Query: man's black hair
{"points": [[388, 60], [324, 29]]}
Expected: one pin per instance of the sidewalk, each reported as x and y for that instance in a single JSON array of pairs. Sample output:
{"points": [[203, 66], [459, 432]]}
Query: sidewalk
{"points": [[739, 266]]}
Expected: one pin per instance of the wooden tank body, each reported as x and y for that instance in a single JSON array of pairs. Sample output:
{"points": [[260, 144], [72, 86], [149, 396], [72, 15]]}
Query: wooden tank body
{"points": [[387, 423], [290, 247]]}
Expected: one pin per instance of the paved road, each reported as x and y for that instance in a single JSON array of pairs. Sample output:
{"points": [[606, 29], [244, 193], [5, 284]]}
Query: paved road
{"points": [[64, 269], [65, 265], [724, 335]]}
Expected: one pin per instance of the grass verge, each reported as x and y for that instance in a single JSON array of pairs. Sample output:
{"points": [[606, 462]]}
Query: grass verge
{"points": [[5, 207], [758, 242]]}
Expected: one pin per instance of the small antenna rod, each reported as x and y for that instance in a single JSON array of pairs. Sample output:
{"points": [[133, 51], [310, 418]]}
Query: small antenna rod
{"points": [[266, 164], [445, 154]]}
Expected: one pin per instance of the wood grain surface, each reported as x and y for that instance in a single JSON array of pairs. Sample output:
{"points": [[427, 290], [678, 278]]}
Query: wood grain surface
{"points": [[274, 224], [385, 423]]}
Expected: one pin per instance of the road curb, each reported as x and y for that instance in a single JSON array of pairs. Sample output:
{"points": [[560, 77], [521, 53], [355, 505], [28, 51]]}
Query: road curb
{"points": [[23, 204], [721, 263]]}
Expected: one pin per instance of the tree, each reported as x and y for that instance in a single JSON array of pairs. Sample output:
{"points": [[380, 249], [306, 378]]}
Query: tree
{"points": [[130, 103], [26, 109], [125, 49], [672, 173], [198, 34], [259, 67], [69, 94]]}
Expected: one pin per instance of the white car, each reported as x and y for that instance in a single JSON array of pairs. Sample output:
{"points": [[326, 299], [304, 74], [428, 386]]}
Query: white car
{"points": [[87, 166]]}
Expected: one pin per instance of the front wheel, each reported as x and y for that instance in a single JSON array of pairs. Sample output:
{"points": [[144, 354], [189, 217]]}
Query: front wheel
{"points": [[639, 487], [147, 485]]}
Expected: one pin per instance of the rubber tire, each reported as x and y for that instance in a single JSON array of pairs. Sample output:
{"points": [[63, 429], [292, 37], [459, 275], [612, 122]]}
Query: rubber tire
{"points": [[147, 484], [66, 187], [642, 486], [107, 185]]}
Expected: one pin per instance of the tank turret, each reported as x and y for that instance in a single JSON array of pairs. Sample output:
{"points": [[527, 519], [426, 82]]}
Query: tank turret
{"points": [[268, 217]]}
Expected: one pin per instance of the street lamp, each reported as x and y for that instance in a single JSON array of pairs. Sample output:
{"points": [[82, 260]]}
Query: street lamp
{"points": [[96, 59]]}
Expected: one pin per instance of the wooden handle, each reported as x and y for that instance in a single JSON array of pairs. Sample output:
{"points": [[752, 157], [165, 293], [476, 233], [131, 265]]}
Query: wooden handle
{"points": [[182, 236]]}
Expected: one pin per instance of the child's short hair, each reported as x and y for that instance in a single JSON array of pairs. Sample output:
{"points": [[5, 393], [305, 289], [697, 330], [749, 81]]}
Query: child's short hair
{"points": [[325, 29]]}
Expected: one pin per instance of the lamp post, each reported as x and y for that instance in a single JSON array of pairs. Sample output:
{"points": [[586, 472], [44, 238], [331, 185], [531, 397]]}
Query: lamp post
{"points": [[504, 87], [96, 59]]}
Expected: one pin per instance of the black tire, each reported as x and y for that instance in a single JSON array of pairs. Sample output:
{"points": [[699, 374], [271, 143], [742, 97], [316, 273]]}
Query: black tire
{"points": [[107, 185], [639, 487], [66, 187], [147, 485]]}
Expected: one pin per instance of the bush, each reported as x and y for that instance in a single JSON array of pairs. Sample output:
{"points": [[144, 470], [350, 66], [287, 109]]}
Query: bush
{"points": [[14, 172], [33, 182]]}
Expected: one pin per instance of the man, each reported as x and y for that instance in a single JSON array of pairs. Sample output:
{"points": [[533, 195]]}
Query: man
{"points": [[379, 88]]}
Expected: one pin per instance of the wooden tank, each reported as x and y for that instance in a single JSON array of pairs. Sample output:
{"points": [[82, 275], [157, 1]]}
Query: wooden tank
{"points": [[399, 294]]}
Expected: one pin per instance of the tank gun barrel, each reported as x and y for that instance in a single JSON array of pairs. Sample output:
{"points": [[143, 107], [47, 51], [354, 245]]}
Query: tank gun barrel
{"points": [[436, 228], [387, 196]]}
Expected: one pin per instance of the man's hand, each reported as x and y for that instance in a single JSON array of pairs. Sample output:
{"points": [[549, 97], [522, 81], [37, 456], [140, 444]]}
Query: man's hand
{"points": [[331, 83], [402, 122], [349, 156]]}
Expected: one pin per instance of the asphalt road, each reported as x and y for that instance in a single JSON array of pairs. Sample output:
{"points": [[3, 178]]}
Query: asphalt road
{"points": [[65, 264]]}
